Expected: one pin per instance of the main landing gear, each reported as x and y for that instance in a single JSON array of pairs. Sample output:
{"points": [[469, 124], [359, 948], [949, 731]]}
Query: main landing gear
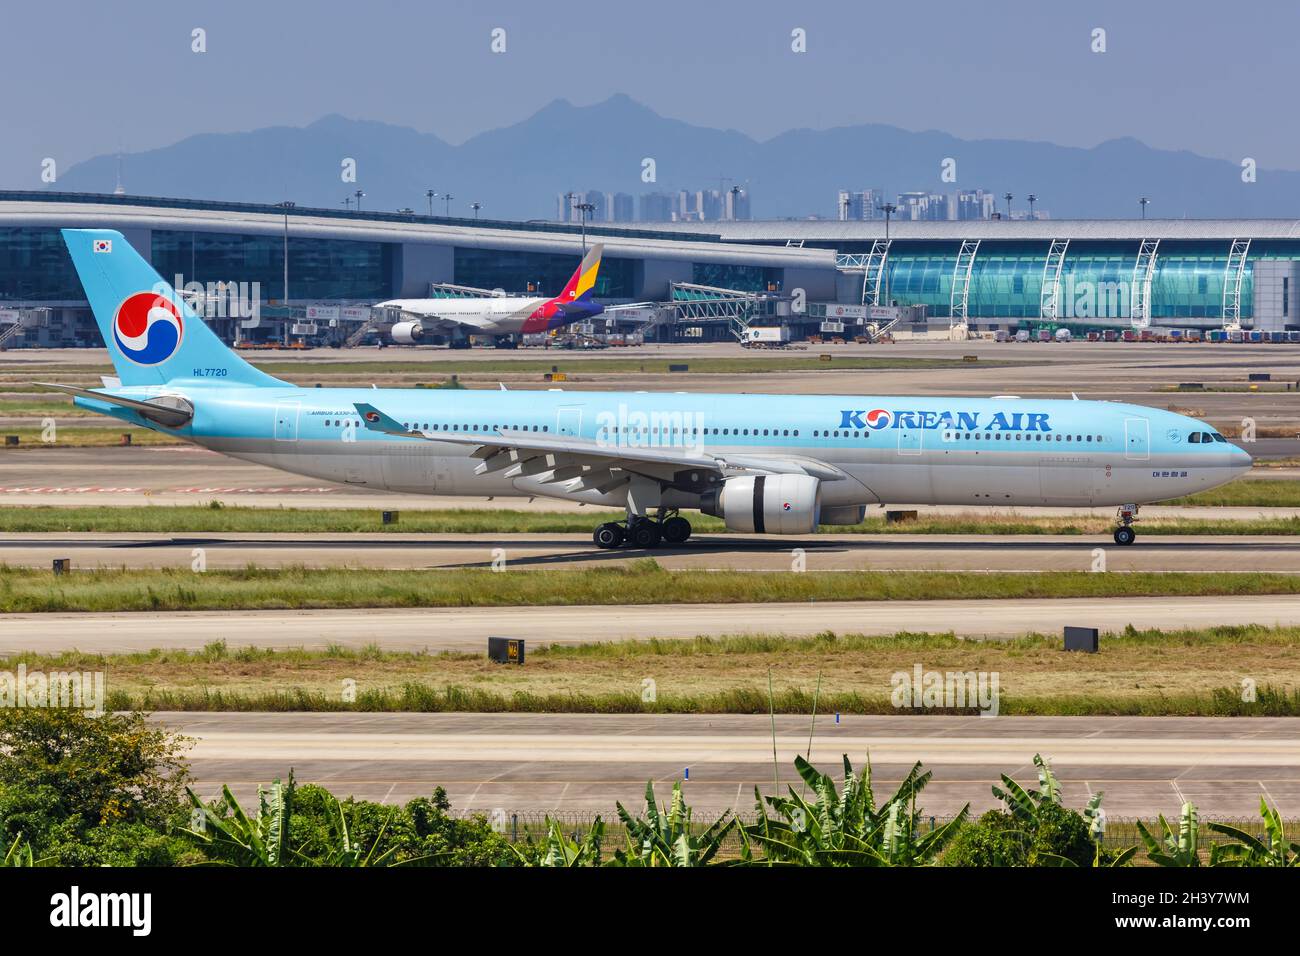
{"points": [[1124, 534], [642, 531]]}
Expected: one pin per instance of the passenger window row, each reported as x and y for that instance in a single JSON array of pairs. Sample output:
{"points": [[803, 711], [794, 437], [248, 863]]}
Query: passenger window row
{"points": [[696, 432], [1020, 436], [473, 429]]}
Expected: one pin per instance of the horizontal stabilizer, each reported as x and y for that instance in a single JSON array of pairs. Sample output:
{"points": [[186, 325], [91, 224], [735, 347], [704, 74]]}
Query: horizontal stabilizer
{"points": [[171, 411]]}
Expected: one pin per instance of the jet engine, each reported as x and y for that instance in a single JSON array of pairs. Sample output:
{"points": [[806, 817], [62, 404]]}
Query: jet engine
{"points": [[407, 333], [767, 504]]}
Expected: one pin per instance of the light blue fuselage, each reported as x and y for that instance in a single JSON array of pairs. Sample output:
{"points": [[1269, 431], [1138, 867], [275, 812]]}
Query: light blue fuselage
{"points": [[919, 451]]}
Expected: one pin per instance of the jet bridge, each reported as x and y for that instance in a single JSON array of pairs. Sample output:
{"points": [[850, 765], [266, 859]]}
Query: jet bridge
{"points": [[692, 303]]}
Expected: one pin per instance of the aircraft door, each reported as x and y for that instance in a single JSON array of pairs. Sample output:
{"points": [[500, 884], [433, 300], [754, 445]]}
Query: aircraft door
{"points": [[568, 421], [1137, 439], [286, 421], [910, 440]]}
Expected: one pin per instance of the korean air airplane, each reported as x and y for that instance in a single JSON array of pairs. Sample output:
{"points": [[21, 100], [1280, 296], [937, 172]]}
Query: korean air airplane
{"points": [[458, 318], [765, 464]]}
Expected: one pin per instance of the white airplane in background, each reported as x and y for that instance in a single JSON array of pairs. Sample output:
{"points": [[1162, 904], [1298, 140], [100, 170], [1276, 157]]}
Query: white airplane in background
{"points": [[458, 318]]}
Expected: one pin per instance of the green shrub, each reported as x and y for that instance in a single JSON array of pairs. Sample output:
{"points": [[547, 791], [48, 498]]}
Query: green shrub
{"points": [[1061, 832], [101, 770], [995, 839]]}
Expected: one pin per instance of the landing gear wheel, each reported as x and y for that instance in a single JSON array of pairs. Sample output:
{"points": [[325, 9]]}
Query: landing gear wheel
{"points": [[676, 529], [608, 536], [645, 534], [1124, 535]]}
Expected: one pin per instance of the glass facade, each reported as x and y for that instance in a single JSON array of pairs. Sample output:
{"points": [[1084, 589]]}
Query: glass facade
{"points": [[35, 267], [1096, 278], [537, 273], [740, 278], [318, 268]]}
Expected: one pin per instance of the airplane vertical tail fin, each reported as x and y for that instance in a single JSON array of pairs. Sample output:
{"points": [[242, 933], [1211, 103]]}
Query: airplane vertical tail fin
{"points": [[584, 280], [152, 334]]}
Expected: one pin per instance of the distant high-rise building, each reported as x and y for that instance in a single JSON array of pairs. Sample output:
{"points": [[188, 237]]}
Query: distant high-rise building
{"points": [[859, 205], [922, 207], [709, 202], [912, 206], [657, 207], [600, 204], [566, 205], [737, 204], [975, 204], [623, 208]]}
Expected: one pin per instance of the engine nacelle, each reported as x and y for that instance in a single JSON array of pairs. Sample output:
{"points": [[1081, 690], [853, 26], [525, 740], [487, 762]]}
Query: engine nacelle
{"points": [[407, 333], [767, 504]]}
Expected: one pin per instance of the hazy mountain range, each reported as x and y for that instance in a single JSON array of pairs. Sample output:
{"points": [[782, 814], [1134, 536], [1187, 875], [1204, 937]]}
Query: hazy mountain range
{"points": [[516, 171]]}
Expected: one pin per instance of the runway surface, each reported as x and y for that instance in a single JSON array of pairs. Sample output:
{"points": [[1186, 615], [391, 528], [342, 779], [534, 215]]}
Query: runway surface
{"points": [[504, 763], [467, 629], [820, 553]]}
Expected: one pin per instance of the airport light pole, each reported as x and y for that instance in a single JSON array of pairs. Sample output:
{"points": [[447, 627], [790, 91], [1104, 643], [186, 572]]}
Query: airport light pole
{"points": [[476, 206], [429, 194], [1032, 199], [888, 209], [584, 208], [285, 206], [568, 201], [359, 194], [1007, 197], [1143, 203], [447, 198]]}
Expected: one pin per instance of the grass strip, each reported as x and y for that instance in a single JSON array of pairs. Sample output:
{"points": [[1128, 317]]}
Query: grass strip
{"points": [[642, 581], [1149, 672], [218, 517]]}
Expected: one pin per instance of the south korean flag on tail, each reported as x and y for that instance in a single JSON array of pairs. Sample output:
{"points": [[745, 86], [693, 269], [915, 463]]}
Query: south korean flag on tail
{"points": [[103, 245]]}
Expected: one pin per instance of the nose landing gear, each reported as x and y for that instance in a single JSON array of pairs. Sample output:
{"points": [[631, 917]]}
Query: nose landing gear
{"points": [[1125, 534]]}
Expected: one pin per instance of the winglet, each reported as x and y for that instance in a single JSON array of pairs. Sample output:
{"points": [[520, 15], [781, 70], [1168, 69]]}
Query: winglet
{"points": [[377, 421]]}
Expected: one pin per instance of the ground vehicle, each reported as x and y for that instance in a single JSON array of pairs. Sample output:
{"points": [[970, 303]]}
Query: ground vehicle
{"points": [[767, 335]]}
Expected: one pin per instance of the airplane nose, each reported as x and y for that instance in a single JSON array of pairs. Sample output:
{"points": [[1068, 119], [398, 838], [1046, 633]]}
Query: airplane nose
{"points": [[1241, 462]]}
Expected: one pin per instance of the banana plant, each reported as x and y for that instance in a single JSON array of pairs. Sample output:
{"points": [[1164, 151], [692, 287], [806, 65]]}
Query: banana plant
{"points": [[665, 837], [343, 852], [1175, 847], [564, 851], [235, 839], [842, 826], [20, 854], [1249, 850], [1024, 804]]}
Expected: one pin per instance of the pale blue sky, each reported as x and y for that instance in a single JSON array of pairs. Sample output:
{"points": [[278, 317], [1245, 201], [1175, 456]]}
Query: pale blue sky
{"points": [[83, 78]]}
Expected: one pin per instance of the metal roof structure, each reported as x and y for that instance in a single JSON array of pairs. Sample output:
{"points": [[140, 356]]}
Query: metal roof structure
{"points": [[67, 210], [1020, 230]]}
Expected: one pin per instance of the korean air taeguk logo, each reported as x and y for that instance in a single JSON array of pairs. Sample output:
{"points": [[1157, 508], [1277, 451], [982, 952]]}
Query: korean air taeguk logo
{"points": [[148, 328], [878, 418]]}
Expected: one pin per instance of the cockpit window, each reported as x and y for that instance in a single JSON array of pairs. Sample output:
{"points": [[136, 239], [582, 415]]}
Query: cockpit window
{"points": [[1217, 437], [1194, 438]]}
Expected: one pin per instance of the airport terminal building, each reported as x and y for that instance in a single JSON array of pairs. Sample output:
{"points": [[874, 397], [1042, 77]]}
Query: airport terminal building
{"points": [[1201, 274]]}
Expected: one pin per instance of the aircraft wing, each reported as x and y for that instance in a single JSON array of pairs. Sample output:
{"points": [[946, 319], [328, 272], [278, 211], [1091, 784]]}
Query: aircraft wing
{"points": [[580, 464], [432, 322]]}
